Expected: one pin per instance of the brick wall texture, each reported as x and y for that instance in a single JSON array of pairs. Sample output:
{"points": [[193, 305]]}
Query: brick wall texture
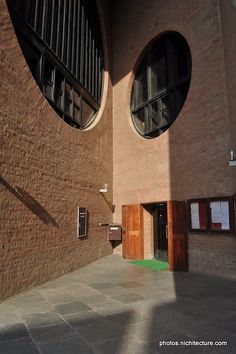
{"points": [[190, 160], [48, 169]]}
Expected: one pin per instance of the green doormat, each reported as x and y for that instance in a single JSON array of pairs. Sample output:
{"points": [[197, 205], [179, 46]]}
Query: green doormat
{"points": [[152, 264]]}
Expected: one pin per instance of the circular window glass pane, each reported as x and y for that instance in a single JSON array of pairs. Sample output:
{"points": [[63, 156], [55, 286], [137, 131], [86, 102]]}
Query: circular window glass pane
{"points": [[62, 44], [161, 84]]}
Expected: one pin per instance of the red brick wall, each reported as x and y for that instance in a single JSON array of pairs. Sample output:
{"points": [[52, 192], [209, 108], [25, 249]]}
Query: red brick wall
{"points": [[47, 170], [212, 254], [190, 160], [228, 18]]}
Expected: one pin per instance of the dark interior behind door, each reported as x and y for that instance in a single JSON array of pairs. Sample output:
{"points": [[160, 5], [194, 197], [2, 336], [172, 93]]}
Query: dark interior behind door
{"points": [[160, 232]]}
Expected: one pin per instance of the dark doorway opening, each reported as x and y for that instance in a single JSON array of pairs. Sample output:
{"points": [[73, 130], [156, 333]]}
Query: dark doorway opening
{"points": [[160, 231]]}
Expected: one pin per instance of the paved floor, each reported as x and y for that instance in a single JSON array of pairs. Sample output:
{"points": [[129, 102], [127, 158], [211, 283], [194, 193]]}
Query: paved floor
{"points": [[113, 307]]}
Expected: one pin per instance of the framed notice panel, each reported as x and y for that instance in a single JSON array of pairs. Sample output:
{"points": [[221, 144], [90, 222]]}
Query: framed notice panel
{"points": [[211, 215], [82, 218]]}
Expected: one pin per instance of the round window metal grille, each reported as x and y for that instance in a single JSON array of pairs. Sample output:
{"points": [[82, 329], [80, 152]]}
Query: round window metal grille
{"points": [[161, 84], [61, 41]]}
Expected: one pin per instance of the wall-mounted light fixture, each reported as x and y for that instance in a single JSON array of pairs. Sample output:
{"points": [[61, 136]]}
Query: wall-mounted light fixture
{"points": [[105, 190], [232, 158]]}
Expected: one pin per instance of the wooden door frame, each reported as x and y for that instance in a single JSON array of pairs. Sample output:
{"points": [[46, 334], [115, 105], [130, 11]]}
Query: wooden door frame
{"points": [[169, 223]]}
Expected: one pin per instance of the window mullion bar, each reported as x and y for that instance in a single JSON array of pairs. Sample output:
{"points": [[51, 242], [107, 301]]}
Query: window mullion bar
{"points": [[44, 21], [40, 73], [63, 97], [80, 111], [68, 34], [93, 58], [147, 121], [77, 70], [73, 37], [63, 32], [58, 27], [82, 44], [36, 14], [52, 22], [86, 51], [99, 78], [90, 50], [99, 75], [169, 54], [135, 94], [170, 78], [149, 75], [96, 66], [53, 83]]}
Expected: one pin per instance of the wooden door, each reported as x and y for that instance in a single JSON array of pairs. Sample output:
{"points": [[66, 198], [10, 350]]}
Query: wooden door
{"points": [[177, 235], [132, 240]]}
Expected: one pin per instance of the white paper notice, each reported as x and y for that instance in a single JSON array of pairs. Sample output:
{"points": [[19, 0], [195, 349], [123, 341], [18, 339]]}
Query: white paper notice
{"points": [[195, 216], [225, 215], [215, 212], [220, 214]]}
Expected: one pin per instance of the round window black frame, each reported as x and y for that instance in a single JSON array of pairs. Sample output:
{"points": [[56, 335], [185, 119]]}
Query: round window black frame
{"points": [[62, 43], [157, 112]]}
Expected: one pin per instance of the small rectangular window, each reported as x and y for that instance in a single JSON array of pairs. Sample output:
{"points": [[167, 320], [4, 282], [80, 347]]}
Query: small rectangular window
{"points": [[159, 113], [158, 69], [141, 88], [48, 79], [76, 113], [59, 83], [68, 99]]}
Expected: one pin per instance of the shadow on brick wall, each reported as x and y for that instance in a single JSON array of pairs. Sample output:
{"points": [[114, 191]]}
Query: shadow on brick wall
{"points": [[31, 203]]}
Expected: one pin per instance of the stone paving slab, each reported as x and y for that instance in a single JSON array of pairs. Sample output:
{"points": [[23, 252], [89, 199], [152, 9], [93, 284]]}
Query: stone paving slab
{"points": [[20, 346], [42, 319], [69, 345], [113, 307], [51, 333], [72, 307], [82, 319], [15, 331]]}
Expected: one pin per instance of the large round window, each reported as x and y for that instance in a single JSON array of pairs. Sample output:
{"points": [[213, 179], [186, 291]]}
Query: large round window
{"points": [[61, 41], [161, 84]]}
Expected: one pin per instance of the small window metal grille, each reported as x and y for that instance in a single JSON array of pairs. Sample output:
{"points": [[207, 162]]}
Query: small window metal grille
{"points": [[161, 85], [61, 41]]}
